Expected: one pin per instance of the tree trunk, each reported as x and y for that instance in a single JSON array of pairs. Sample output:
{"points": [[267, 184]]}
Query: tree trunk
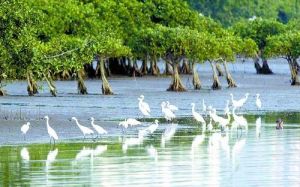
{"points": [[80, 83], [230, 81], [294, 77], [106, 89], [154, 70], [2, 91], [176, 84], [65, 75], [265, 68], [32, 87], [144, 67], [216, 83], [219, 70], [196, 79], [257, 65], [29, 85], [185, 68], [168, 69], [51, 85]]}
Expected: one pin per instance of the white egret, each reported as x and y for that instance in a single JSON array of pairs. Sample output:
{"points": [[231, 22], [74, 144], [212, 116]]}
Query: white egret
{"points": [[226, 109], [239, 103], [25, 154], [144, 107], [223, 122], [168, 114], [171, 107], [84, 130], [124, 125], [153, 127], [25, 128], [133, 122], [210, 126], [51, 131], [241, 121], [258, 101], [98, 128], [197, 116]]}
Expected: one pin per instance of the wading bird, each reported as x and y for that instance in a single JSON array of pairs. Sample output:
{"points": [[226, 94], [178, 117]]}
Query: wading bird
{"points": [[171, 107], [168, 114], [258, 102], [98, 128], [240, 120], [197, 116], [51, 131], [144, 107], [25, 128], [239, 103], [84, 130]]}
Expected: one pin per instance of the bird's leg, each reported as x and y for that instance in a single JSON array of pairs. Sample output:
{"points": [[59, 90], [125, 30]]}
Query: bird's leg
{"points": [[24, 137]]}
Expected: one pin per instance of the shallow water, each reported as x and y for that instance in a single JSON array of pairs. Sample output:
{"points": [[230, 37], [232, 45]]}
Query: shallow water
{"points": [[276, 94], [170, 157]]}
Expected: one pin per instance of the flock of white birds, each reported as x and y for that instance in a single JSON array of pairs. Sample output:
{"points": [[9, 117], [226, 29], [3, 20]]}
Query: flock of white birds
{"points": [[168, 111]]}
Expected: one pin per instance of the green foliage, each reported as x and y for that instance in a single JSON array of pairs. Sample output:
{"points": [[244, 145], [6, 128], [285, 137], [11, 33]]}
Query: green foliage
{"points": [[258, 30], [229, 12], [285, 45]]}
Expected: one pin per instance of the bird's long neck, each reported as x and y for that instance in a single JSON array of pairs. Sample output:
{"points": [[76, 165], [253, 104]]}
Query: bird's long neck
{"points": [[231, 97], [47, 122], [77, 123], [193, 108], [93, 122], [233, 112]]}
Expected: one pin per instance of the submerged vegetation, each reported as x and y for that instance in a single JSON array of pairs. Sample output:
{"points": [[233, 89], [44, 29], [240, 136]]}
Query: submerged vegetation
{"points": [[48, 40]]}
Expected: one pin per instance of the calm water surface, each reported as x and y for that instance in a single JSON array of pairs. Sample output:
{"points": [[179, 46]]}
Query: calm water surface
{"points": [[176, 155]]}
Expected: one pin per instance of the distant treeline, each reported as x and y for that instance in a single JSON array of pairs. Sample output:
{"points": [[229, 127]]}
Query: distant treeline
{"points": [[229, 12]]}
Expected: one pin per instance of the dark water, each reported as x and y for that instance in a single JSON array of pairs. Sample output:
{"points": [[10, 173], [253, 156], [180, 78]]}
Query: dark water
{"points": [[170, 157]]}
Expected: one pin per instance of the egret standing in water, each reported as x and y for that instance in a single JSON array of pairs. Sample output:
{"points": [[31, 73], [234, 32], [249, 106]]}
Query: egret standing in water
{"points": [[226, 109], [124, 125], [25, 128], [239, 103], [197, 116], [98, 128], [144, 107], [84, 130], [168, 114], [258, 101], [171, 107], [51, 131]]}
